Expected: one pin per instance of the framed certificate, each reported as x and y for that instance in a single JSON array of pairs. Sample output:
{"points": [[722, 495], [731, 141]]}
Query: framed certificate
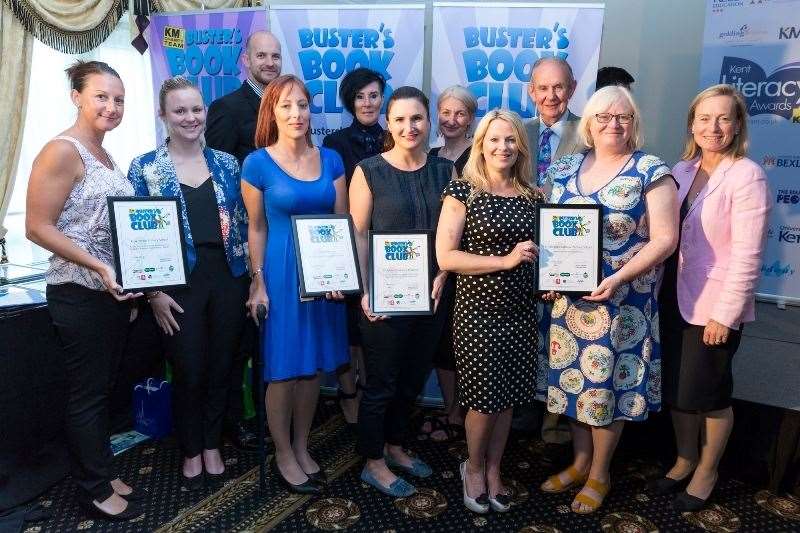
{"points": [[326, 254], [570, 248], [401, 272], [148, 240]]}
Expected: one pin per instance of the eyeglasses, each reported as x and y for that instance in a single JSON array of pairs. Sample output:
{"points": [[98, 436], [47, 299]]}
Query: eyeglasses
{"points": [[605, 118]]}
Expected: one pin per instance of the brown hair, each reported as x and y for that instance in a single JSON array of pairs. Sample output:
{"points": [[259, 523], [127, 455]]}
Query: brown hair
{"points": [[403, 93], [173, 84], [739, 145], [266, 128], [80, 70]]}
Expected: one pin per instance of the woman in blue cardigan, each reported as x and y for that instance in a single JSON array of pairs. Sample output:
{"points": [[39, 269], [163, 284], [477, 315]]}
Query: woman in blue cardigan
{"points": [[202, 322]]}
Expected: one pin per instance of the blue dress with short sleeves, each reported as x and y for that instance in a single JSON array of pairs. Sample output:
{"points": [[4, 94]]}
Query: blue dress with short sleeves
{"points": [[604, 358], [300, 338]]}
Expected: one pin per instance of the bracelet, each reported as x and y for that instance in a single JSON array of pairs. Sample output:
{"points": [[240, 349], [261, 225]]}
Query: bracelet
{"points": [[256, 272], [151, 295]]}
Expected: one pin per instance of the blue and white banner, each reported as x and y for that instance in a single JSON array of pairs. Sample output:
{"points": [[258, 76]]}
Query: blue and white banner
{"points": [[321, 43], [756, 48], [490, 48]]}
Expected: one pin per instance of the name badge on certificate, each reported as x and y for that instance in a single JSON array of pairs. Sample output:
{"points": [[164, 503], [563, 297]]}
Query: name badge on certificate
{"points": [[400, 272], [570, 248], [326, 255], [147, 235]]}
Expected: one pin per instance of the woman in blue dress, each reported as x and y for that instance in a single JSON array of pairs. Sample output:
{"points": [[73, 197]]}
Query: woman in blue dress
{"points": [[288, 176], [604, 357]]}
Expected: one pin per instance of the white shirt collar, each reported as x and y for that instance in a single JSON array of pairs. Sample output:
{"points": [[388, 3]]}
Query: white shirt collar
{"points": [[556, 128], [256, 87]]}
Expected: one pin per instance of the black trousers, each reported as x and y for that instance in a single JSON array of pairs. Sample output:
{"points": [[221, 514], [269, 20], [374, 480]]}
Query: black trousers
{"points": [[248, 344], [202, 352], [398, 356], [91, 327]]}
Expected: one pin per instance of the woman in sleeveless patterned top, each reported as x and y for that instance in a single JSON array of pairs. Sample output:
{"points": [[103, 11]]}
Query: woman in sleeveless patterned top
{"points": [[68, 215]]}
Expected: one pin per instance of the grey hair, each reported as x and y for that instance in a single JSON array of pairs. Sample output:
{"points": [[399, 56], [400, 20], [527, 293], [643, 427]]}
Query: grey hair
{"points": [[558, 61]]}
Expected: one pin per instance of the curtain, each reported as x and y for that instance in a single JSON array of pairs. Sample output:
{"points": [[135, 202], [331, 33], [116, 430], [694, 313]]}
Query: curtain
{"points": [[71, 26], [166, 6], [15, 60]]}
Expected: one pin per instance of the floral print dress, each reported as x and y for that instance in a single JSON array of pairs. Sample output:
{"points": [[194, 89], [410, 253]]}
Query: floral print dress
{"points": [[604, 359]]}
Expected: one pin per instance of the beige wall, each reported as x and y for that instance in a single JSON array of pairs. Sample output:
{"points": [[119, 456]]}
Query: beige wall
{"points": [[660, 43]]}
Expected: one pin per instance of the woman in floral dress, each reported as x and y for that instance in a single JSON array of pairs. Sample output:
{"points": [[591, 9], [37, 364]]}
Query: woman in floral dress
{"points": [[604, 361]]}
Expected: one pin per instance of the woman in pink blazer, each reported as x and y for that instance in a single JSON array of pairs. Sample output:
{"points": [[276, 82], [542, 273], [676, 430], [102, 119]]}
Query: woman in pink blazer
{"points": [[709, 285]]}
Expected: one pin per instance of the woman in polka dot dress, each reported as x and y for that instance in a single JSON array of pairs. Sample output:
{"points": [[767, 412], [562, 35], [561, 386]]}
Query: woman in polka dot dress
{"points": [[604, 360], [485, 235]]}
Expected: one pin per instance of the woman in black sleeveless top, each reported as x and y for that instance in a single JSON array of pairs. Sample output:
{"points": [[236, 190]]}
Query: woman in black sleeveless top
{"points": [[399, 190], [361, 92]]}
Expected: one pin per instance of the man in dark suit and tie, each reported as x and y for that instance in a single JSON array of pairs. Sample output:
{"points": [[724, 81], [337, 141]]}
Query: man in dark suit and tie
{"points": [[554, 132], [231, 122], [231, 127]]}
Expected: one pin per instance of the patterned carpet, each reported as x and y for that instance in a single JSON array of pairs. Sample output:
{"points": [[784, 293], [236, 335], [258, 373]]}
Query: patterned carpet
{"points": [[237, 504]]}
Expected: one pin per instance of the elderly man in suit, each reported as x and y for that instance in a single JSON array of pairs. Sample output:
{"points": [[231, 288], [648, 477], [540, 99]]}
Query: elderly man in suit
{"points": [[554, 132], [231, 122], [231, 127]]}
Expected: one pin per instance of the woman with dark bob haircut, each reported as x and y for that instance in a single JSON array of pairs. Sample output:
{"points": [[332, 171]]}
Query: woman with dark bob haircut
{"points": [[361, 92]]}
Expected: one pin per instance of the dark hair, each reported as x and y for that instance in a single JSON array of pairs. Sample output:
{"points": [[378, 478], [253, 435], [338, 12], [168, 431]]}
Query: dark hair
{"points": [[613, 76], [266, 128], [356, 80], [404, 93], [80, 70]]}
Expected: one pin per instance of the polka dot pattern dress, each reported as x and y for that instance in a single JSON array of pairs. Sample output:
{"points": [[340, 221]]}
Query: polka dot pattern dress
{"points": [[604, 358], [494, 322]]}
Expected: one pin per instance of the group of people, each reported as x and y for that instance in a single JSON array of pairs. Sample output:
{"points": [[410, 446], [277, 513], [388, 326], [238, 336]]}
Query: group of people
{"points": [[681, 252]]}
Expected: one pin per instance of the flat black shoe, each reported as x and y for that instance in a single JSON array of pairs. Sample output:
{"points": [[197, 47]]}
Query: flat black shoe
{"points": [[666, 485], [131, 511], [216, 478], [242, 437], [137, 494], [193, 483], [309, 486], [686, 503], [319, 477]]}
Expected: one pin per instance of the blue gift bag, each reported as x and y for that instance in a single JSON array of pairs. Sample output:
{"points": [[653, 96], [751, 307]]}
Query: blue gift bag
{"points": [[152, 408]]}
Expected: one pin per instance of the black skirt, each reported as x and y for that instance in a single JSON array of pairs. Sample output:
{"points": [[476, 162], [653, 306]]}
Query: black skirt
{"points": [[695, 377]]}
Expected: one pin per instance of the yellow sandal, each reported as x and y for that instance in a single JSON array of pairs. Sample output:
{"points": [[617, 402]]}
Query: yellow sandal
{"points": [[557, 485], [600, 488]]}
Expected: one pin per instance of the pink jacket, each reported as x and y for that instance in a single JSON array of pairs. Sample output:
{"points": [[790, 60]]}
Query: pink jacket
{"points": [[722, 239]]}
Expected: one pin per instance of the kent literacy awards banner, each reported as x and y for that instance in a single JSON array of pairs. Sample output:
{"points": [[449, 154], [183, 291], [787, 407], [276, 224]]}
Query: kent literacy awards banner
{"points": [[322, 43], [490, 48], [206, 47], [755, 46]]}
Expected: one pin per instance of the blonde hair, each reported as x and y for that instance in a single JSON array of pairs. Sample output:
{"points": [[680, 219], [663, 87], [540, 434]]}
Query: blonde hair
{"points": [[475, 170], [741, 142], [173, 84], [176, 83], [600, 102]]}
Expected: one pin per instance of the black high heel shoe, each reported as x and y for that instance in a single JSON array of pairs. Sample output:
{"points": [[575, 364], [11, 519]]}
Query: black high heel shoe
{"points": [[309, 486], [666, 485], [137, 494], [131, 511], [193, 483], [686, 503]]}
